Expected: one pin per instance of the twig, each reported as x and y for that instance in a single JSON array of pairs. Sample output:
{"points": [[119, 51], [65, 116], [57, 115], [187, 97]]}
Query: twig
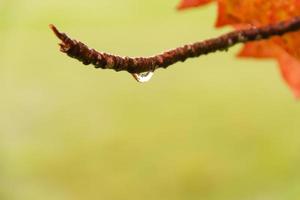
{"points": [[83, 53]]}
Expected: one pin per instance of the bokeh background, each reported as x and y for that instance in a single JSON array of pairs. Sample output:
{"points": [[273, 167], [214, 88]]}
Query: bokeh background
{"points": [[214, 128]]}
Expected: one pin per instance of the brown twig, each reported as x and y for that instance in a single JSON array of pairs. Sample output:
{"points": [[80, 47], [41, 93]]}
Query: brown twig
{"points": [[83, 53]]}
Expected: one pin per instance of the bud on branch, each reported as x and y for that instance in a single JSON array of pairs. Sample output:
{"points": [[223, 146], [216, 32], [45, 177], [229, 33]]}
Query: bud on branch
{"points": [[83, 53]]}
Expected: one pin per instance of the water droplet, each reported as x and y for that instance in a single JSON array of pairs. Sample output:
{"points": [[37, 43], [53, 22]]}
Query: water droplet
{"points": [[143, 77]]}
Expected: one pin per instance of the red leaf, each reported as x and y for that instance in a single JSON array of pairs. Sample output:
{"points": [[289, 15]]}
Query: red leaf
{"points": [[261, 49], [285, 49], [289, 65], [290, 69], [192, 3]]}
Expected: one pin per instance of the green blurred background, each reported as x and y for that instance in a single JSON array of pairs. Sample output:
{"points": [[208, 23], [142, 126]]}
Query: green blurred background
{"points": [[214, 128]]}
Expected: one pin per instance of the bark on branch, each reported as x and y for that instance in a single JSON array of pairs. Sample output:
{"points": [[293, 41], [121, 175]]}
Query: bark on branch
{"points": [[86, 55]]}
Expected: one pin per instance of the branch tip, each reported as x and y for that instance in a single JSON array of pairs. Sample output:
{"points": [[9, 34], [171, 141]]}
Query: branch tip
{"points": [[54, 30], [58, 34]]}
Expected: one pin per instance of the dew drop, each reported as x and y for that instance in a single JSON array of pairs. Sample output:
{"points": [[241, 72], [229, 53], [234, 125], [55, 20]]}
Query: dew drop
{"points": [[143, 77]]}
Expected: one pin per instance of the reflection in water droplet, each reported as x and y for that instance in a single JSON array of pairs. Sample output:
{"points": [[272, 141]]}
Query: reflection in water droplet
{"points": [[143, 77]]}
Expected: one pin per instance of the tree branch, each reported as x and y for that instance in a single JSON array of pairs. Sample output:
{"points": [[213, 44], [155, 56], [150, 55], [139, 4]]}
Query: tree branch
{"points": [[83, 53]]}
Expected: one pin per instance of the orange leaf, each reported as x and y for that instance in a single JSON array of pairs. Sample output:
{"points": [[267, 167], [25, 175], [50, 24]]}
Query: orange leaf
{"points": [[192, 3], [289, 65], [290, 69], [285, 49]]}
